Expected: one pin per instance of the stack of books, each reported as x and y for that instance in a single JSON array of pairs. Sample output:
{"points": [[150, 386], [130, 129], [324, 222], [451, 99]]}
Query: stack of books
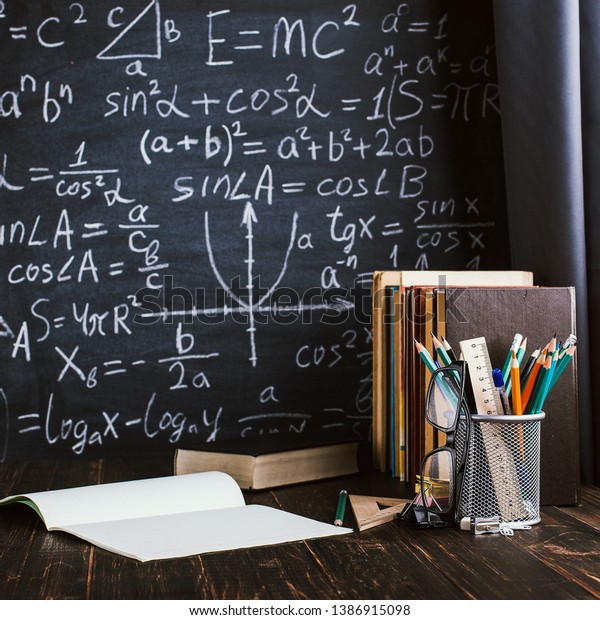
{"points": [[434, 306]]}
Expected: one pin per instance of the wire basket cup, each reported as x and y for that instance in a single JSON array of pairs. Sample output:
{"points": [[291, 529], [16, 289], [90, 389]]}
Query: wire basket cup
{"points": [[502, 476]]}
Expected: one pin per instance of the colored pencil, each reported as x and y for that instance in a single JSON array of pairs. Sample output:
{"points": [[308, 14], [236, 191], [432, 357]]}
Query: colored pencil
{"points": [[441, 351], [516, 385], [425, 356], [563, 362], [541, 388], [518, 338], [529, 365], [521, 351], [546, 387], [517, 354], [569, 342], [530, 384], [448, 348]]}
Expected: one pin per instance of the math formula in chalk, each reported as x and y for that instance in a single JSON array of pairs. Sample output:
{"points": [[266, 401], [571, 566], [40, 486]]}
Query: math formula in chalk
{"points": [[194, 198]]}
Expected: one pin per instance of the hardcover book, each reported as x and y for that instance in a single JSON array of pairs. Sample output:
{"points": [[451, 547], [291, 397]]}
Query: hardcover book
{"points": [[270, 461], [537, 313]]}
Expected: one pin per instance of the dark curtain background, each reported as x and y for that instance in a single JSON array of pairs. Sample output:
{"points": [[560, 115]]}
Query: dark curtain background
{"points": [[549, 77]]}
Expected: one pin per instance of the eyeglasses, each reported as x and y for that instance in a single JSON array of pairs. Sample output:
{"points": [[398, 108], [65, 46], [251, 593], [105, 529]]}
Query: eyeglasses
{"points": [[442, 469]]}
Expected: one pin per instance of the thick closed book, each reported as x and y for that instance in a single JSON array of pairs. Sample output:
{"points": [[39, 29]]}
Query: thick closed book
{"points": [[272, 461]]}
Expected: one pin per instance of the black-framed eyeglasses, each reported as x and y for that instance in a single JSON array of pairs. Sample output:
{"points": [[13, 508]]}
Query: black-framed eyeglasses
{"points": [[442, 470]]}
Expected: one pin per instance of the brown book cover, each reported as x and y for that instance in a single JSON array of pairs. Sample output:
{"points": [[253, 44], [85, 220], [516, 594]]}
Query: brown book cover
{"points": [[382, 281], [414, 362], [439, 322], [420, 321], [427, 328], [536, 313], [397, 390]]}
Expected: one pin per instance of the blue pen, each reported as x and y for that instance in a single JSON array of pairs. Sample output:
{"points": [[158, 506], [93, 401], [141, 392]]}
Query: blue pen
{"points": [[499, 384]]}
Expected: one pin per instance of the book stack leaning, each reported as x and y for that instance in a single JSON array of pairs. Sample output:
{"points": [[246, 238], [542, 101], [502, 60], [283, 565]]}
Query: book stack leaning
{"points": [[435, 310]]}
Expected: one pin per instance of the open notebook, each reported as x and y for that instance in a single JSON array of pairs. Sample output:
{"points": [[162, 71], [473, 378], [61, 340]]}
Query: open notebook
{"points": [[169, 517]]}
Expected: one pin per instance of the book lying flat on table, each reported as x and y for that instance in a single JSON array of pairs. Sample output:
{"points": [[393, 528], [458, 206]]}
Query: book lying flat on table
{"points": [[169, 517], [270, 461]]}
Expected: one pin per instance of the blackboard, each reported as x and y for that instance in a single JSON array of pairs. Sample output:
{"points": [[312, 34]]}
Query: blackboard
{"points": [[194, 195]]}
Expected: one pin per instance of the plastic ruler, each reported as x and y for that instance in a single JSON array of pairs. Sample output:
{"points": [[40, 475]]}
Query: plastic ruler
{"points": [[487, 399]]}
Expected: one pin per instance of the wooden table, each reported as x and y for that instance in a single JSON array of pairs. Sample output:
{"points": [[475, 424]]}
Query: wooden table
{"points": [[557, 559]]}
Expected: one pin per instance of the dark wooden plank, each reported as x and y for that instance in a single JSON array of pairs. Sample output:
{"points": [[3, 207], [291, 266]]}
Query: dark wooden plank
{"points": [[589, 510], [557, 559], [383, 564], [275, 572], [400, 561], [569, 547], [375, 564], [493, 566], [118, 577], [36, 563]]}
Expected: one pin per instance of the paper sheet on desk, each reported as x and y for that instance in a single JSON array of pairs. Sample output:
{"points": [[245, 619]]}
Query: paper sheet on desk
{"points": [[170, 517]]}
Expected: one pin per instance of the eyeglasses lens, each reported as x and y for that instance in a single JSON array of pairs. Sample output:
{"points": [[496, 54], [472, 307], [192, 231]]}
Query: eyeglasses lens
{"points": [[443, 401], [437, 479]]}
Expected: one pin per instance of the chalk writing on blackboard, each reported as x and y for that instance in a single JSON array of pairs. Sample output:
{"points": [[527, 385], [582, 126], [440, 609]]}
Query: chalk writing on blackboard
{"points": [[194, 197]]}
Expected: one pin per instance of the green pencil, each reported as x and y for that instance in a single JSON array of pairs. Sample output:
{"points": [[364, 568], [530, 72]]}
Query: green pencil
{"points": [[563, 362], [441, 351], [506, 368], [547, 384], [542, 388], [425, 356]]}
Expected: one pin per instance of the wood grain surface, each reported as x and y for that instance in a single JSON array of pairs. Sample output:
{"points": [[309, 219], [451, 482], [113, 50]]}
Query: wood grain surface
{"points": [[557, 559]]}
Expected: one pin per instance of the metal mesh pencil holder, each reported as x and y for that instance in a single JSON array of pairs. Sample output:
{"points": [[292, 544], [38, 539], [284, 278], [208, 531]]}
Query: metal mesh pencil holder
{"points": [[502, 474]]}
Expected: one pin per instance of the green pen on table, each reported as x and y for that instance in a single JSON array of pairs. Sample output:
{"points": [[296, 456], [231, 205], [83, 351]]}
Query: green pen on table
{"points": [[341, 508]]}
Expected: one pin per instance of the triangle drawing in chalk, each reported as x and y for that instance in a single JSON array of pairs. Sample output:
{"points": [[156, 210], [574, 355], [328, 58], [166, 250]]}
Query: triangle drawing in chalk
{"points": [[5, 330], [371, 511], [141, 38]]}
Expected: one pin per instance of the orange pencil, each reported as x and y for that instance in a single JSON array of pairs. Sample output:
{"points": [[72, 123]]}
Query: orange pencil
{"points": [[515, 379], [530, 383]]}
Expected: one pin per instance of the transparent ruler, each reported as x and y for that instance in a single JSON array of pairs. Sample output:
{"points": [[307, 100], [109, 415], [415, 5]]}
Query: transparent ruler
{"points": [[487, 399]]}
